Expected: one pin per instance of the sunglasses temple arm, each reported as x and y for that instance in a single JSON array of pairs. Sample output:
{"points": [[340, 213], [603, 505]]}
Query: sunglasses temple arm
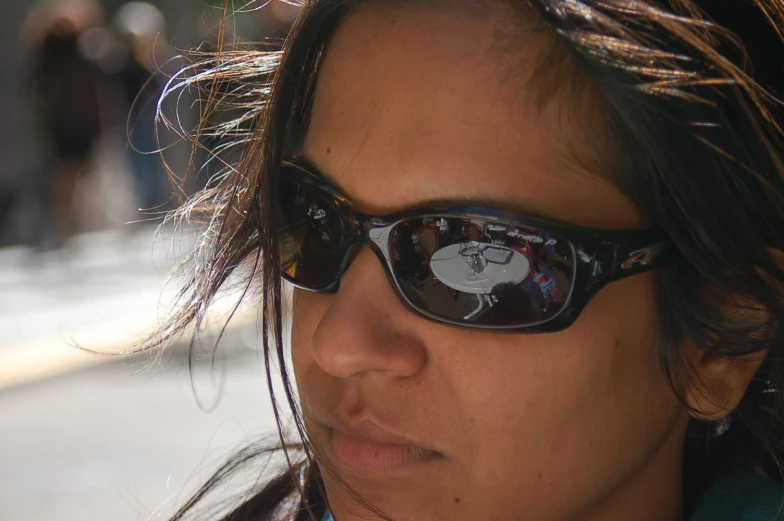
{"points": [[640, 253]]}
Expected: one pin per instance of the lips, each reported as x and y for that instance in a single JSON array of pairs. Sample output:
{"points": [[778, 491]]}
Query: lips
{"points": [[366, 448]]}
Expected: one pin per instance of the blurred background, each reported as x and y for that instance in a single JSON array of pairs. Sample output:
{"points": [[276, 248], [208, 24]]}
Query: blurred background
{"points": [[83, 262]]}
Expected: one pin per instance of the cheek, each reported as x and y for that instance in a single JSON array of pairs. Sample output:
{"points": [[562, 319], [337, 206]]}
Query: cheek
{"points": [[591, 396], [530, 419], [307, 308]]}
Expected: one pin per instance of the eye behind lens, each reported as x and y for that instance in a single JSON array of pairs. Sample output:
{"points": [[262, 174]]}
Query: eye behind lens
{"points": [[309, 233], [482, 273]]}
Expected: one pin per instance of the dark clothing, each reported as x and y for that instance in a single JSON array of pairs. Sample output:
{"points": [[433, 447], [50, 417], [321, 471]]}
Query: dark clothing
{"points": [[534, 290], [65, 87], [742, 496], [72, 147], [142, 89]]}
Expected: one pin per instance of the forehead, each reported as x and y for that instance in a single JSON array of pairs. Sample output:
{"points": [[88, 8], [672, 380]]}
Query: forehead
{"points": [[419, 105]]}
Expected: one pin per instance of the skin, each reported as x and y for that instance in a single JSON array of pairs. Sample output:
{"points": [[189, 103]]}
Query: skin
{"points": [[419, 105]]}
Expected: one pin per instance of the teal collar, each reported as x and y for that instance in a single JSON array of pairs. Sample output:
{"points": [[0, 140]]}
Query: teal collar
{"points": [[742, 496]]}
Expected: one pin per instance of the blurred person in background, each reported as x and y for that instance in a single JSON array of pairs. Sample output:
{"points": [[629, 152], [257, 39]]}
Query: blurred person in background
{"points": [[9, 189], [65, 90], [142, 27]]}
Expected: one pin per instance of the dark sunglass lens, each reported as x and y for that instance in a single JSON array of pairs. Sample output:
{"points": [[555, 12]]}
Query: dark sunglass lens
{"points": [[310, 234], [482, 272]]}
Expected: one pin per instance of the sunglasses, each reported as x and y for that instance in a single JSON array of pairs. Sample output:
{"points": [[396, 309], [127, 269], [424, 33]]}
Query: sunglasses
{"points": [[470, 266]]}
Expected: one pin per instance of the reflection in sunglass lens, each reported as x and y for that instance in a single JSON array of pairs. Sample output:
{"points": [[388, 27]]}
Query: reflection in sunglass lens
{"points": [[309, 233], [466, 271], [482, 273]]}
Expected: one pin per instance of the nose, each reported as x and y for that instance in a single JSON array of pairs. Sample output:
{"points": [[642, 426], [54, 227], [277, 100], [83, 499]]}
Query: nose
{"points": [[365, 328]]}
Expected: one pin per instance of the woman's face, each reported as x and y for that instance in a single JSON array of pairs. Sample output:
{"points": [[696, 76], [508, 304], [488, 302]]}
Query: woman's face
{"points": [[430, 422]]}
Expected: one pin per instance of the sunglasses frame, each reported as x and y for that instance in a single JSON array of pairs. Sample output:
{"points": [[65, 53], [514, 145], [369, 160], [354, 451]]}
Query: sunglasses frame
{"points": [[600, 256]]}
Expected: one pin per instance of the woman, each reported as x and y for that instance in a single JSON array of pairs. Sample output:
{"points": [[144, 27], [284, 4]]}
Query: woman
{"points": [[634, 134]]}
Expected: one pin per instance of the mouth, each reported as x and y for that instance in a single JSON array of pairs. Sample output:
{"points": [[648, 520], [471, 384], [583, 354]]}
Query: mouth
{"points": [[367, 449]]}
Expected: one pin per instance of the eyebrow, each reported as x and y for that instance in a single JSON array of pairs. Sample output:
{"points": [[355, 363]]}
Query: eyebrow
{"points": [[313, 168], [478, 200]]}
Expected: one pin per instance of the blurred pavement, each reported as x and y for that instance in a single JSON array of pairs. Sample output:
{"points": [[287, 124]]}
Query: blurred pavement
{"points": [[93, 438], [52, 292], [105, 444], [103, 292]]}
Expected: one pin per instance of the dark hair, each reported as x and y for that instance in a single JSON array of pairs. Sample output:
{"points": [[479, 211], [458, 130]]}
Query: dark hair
{"points": [[698, 148]]}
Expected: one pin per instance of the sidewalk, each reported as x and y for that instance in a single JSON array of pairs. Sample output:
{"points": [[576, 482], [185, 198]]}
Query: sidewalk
{"points": [[121, 440], [103, 293], [123, 443]]}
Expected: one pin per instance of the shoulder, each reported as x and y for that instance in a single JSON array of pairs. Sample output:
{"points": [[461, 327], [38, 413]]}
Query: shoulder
{"points": [[742, 496]]}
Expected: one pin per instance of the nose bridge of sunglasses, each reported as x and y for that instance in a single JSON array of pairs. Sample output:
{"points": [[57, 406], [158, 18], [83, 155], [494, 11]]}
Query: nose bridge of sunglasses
{"points": [[370, 231], [374, 234], [378, 233]]}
